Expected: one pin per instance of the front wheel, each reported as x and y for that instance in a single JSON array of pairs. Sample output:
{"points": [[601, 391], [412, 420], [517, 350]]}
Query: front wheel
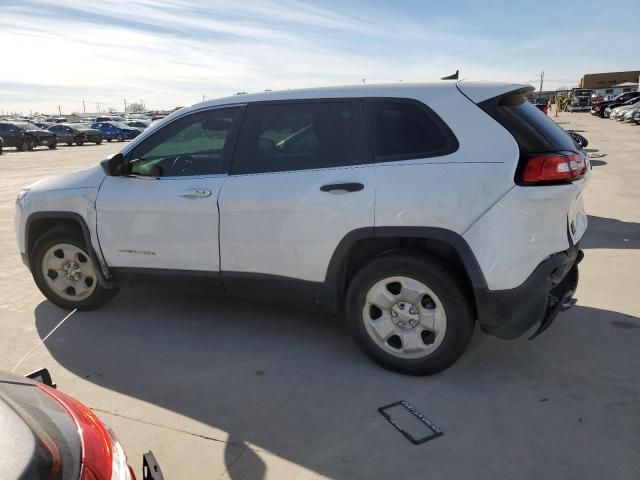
{"points": [[409, 313], [65, 273], [119, 137], [79, 141]]}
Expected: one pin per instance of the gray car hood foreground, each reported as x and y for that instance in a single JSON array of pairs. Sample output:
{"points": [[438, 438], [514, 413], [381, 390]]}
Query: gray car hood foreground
{"points": [[91, 178]]}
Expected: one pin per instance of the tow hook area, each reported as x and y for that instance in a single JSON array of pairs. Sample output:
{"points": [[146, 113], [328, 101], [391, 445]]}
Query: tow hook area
{"points": [[560, 298]]}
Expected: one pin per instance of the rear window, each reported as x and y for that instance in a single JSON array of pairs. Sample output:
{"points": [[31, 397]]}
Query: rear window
{"points": [[532, 129], [401, 130]]}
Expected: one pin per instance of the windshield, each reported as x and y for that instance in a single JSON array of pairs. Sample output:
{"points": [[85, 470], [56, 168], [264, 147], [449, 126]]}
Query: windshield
{"points": [[582, 93], [119, 125]]}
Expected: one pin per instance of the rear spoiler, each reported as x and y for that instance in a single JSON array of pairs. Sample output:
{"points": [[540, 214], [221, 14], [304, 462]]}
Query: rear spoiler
{"points": [[480, 91]]}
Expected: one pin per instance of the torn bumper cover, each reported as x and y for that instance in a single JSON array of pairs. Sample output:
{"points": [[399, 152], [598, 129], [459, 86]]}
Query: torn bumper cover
{"points": [[548, 291]]}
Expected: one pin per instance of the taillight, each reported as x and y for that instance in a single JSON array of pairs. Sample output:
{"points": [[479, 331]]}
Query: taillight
{"points": [[549, 168], [102, 455]]}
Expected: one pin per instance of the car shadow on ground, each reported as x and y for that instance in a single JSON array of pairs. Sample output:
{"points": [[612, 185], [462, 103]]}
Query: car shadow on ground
{"points": [[292, 382], [605, 232]]}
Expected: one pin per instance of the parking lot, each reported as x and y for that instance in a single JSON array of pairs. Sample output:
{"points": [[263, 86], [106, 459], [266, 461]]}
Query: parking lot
{"points": [[226, 388]]}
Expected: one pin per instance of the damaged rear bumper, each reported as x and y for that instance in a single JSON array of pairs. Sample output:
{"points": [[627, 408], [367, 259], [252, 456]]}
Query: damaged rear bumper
{"points": [[548, 291]]}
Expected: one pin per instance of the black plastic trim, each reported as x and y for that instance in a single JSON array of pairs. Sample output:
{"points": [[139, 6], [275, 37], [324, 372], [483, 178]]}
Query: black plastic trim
{"points": [[455, 240], [76, 217], [168, 277], [510, 313]]}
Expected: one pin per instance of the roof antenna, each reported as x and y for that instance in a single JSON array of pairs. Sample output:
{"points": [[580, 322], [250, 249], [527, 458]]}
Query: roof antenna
{"points": [[455, 76]]}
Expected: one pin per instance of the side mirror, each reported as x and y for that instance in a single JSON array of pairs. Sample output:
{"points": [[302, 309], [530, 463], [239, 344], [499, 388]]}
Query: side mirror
{"points": [[113, 165]]}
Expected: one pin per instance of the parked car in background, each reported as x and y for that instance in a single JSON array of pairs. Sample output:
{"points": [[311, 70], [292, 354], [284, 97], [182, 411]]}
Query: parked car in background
{"points": [[47, 434], [26, 136], [636, 117], [580, 100], [542, 104], [76, 133], [43, 125], [380, 201], [616, 113], [116, 131], [140, 124], [112, 118], [599, 108], [630, 114]]}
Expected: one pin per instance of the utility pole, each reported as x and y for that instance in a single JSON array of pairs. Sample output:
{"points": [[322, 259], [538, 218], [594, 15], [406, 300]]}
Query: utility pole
{"points": [[98, 107], [203, 97], [59, 110], [541, 79], [84, 110], [125, 106]]}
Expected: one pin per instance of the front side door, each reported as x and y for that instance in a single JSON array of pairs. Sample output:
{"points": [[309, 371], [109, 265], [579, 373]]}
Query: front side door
{"points": [[164, 213], [301, 180], [10, 135]]}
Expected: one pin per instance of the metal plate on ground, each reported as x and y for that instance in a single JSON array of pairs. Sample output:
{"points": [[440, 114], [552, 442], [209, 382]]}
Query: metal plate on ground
{"points": [[410, 422]]}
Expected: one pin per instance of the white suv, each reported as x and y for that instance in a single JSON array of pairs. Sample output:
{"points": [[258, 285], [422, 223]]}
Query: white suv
{"points": [[416, 209]]}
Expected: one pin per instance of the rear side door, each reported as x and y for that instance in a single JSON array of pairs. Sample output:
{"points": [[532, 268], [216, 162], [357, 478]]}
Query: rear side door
{"points": [[163, 214], [302, 179]]}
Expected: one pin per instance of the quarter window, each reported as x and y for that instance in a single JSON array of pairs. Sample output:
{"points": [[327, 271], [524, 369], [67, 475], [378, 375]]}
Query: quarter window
{"points": [[193, 145], [401, 130], [298, 136]]}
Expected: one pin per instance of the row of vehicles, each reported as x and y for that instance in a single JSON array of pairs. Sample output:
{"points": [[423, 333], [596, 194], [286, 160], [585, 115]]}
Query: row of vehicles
{"points": [[624, 107], [25, 136]]}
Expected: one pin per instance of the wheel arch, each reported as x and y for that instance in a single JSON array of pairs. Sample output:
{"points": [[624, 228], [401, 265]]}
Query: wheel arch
{"points": [[39, 223], [360, 246]]}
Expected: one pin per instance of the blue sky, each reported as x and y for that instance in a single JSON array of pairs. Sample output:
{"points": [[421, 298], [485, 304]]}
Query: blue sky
{"points": [[173, 52]]}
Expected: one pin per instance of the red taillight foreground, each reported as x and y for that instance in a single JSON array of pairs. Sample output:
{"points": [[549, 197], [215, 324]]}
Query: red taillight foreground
{"points": [[553, 167], [102, 456]]}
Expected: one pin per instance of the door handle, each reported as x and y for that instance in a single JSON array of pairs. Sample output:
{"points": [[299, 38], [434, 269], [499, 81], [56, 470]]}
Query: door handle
{"points": [[195, 193], [348, 187]]}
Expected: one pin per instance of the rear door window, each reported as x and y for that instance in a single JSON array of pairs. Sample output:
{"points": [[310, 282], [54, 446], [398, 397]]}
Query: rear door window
{"points": [[298, 136], [533, 130], [404, 129]]}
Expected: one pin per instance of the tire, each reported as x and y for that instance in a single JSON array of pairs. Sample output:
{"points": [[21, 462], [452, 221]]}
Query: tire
{"points": [[94, 296], [79, 141], [108, 140], [69, 143], [437, 351], [53, 145], [119, 137], [29, 145], [99, 141]]}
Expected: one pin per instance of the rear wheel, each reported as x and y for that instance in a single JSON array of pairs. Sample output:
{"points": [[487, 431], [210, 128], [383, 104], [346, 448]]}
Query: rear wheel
{"points": [[108, 139], [79, 141], [53, 144], [119, 137], [65, 273], [409, 313], [69, 143], [29, 144]]}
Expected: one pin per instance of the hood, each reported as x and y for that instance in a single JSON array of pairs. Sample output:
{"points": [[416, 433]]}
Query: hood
{"points": [[91, 178]]}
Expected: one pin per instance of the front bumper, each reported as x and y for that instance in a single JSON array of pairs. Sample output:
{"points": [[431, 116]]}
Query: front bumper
{"points": [[510, 313]]}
